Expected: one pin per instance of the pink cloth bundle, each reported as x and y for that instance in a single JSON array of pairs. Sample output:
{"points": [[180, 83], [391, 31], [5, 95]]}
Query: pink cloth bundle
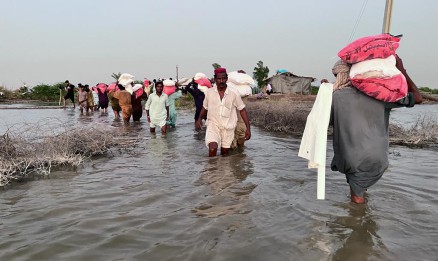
{"points": [[370, 47], [138, 93], [389, 89], [380, 79], [138, 90], [204, 82], [102, 87], [169, 90], [113, 87]]}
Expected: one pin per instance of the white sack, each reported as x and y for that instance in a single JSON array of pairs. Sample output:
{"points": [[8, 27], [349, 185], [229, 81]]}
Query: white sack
{"points": [[240, 78], [375, 68]]}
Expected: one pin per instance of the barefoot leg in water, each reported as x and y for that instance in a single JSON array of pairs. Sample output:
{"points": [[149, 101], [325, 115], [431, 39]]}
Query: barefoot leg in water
{"points": [[356, 199]]}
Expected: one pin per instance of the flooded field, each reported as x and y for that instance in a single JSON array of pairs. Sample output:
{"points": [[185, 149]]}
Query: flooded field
{"points": [[166, 200]]}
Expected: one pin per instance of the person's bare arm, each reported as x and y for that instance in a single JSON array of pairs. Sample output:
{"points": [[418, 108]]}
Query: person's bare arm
{"points": [[244, 115], [202, 115], [411, 85]]}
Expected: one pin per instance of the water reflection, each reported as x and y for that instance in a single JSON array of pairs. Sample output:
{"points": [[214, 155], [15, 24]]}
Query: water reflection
{"points": [[225, 178], [358, 235]]}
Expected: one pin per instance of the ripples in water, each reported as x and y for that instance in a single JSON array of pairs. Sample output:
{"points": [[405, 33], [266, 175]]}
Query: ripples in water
{"points": [[166, 200]]}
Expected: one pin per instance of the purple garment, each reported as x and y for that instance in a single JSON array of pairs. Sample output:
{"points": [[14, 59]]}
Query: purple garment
{"points": [[103, 99]]}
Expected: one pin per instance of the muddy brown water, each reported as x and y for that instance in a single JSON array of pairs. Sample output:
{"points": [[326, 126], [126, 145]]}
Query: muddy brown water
{"points": [[166, 200]]}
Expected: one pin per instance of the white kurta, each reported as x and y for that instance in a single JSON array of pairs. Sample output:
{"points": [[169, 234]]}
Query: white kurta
{"points": [[156, 105]]}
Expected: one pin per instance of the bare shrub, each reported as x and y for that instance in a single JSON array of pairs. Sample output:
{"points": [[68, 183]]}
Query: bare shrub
{"points": [[290, 116], [422, 134], [35, 150]]}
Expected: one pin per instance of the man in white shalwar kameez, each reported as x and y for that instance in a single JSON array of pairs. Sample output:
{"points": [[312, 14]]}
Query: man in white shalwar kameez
{"points": [[157, 108]]}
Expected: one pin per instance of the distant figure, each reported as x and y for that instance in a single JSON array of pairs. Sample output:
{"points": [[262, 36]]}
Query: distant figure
{"points": [[147, 86], [82, 99], [112, 89], [324, 81], [220, 106], [137, 108], [70, 88], [95, 98], [103, 99], [172, 111], [198, 97], [157, 109], [90, 98], [360, 130], [268, 89], [124, 101]]}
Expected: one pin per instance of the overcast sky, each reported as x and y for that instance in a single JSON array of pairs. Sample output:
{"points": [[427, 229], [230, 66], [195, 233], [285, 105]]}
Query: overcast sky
{"points": [[48, 41]]}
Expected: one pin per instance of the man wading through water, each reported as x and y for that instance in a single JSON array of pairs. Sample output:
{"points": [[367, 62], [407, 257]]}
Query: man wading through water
{"points": [[220, 105], [157, 109]]}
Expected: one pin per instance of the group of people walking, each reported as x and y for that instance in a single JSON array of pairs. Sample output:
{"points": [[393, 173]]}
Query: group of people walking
{"points": [[222, 108]]}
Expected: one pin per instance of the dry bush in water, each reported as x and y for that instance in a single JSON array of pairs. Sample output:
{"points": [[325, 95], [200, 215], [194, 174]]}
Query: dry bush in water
{"points": [[291, 116], [35, 150], [283, 116], [423, 134]]}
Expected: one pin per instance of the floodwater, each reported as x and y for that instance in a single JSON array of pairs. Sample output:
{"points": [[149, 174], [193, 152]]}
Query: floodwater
{"points": [[166, 200]]}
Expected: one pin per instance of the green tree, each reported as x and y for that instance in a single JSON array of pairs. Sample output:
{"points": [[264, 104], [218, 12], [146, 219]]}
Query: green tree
{"points": [[216, 65], [116, 76], [260, 73], [45, 92]]}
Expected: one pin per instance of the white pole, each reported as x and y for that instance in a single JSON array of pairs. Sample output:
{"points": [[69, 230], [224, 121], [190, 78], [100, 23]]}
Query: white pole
{"points": [[320, 186], [387, 17]]}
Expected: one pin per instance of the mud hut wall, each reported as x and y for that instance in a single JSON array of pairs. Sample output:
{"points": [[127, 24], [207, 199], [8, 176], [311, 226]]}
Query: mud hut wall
{"points": [[288, 84]]}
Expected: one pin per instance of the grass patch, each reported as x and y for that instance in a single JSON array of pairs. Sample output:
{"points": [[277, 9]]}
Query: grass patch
{"points": [[185, 102]]}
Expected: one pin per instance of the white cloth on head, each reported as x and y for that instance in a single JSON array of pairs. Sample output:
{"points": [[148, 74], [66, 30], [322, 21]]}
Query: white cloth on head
{"points": [[199, 76], [240, 78], [242, 89], [168, 82], [125, 79], [137, 86]]}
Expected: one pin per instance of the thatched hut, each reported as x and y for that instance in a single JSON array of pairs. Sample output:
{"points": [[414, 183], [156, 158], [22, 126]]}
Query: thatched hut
{"points": [[290, 83]]}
